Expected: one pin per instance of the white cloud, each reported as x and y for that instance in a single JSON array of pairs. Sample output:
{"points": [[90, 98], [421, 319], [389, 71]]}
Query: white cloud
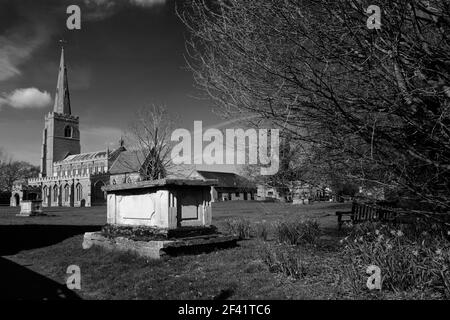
{"points": [[26, 98]]}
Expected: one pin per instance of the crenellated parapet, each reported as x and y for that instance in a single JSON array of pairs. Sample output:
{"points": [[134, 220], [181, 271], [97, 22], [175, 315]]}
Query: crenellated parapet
{"points": [[47, 180]]}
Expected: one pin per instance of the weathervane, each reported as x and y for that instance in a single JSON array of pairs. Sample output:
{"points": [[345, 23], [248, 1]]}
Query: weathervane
{"points": [[62, 42]]}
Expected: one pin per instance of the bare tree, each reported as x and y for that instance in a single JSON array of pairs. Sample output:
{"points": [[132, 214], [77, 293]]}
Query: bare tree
{"points": [[375, 102], [11, 171], [149, 142]]}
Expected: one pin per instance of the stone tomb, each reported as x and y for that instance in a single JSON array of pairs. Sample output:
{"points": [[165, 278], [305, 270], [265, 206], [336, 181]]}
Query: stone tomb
{"points": [[29, 208], [176, 212]]}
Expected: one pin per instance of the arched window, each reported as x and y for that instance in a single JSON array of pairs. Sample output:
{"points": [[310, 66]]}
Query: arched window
{"points": [[68, 132], [66, 193], [79, 192], [45, 193], [55, 193], [17, 199]]}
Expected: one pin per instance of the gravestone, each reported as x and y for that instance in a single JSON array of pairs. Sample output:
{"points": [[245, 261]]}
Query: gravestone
{"points": [[153, 217]]}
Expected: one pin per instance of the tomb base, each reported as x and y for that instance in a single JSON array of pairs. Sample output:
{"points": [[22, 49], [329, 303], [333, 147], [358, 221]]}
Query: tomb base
{"points": [[155, 249]]}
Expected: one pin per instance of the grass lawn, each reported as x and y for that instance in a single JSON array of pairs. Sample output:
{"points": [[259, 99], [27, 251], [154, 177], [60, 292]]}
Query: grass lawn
{"points": [[37, 251]]}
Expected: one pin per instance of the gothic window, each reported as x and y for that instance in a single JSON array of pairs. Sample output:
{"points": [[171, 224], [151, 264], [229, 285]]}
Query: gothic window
{"points": [[66, 193], [45, 192], [55, 193], [79, 192], [68, 132]]}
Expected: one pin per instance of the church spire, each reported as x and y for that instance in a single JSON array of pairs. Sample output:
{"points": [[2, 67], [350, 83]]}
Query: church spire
{"points": [[62, 99]]}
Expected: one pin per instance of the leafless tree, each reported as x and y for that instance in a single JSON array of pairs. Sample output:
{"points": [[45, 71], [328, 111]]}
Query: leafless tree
{"points": [[375, 102], [11, 171], [148, 141]]}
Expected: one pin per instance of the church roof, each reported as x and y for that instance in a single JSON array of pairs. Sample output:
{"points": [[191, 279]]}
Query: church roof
{"points": [[132, 161], [85, 156], [127, 162], [62, 98], [185, 171], [228, 179]]}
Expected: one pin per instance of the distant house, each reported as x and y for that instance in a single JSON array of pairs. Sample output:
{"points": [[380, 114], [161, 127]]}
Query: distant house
{"points": [[267, 193], [372, 192], [297, 193], [230, 186]]}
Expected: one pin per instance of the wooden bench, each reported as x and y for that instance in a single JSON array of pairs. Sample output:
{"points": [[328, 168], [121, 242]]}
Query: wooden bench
{"points": [[363, 212]]}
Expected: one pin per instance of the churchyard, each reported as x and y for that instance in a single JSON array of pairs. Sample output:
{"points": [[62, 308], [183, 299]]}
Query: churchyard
{"points": [[48, 245], [36, 252]]}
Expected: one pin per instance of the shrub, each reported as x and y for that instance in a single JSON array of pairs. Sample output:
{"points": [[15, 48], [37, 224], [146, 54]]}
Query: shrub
{"points": [[297, 232], [409, 259], [239, 227], [284, 259], [261, 231]]}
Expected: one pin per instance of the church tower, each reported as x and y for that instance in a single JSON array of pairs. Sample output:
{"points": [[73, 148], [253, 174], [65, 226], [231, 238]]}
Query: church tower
{"points": [[61, 135]]}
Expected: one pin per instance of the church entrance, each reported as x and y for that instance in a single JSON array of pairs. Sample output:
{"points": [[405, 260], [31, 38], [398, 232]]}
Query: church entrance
{"points": [[32, 196], [98, 194], [17, 200]]}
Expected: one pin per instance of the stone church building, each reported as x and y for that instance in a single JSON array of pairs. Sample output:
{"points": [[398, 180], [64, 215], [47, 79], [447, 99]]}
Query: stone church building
{"points": [[68, 177]]}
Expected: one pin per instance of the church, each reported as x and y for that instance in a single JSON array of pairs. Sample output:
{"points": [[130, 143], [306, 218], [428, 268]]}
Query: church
{"points": [[67, 176]]}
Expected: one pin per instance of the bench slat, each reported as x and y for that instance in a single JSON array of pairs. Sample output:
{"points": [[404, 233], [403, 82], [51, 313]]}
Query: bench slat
{"points": [[363, 212]]}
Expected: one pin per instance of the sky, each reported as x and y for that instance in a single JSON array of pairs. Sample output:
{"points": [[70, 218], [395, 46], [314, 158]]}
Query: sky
{"points": [[128, 54]]}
